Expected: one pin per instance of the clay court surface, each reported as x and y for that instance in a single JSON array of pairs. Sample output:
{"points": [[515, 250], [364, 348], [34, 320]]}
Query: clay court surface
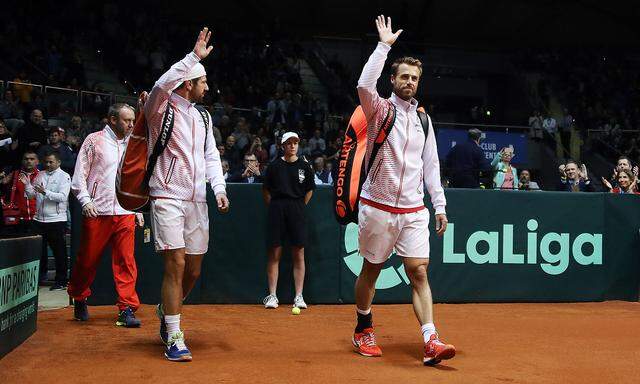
{"points": [[497, 343]]}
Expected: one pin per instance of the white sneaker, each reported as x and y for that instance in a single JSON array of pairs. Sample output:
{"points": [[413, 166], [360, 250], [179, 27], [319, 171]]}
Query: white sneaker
{"points": [[270, 301], [298, 301]]}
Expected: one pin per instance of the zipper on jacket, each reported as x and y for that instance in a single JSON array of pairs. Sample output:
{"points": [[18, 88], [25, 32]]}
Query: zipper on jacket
{"points": [[404, 163], [193, 156], [374, 175], [172, 165], [93, 191]]}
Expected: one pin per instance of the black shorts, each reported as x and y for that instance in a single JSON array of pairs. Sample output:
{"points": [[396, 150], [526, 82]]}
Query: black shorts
{"points": [[285, 220]]}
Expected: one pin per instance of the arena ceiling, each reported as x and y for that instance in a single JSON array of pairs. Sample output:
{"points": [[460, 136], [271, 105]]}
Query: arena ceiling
{"points": [[487, 22]]}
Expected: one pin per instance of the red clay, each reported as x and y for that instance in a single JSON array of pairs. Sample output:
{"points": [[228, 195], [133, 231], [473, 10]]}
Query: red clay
{"points": [[496, 343]]}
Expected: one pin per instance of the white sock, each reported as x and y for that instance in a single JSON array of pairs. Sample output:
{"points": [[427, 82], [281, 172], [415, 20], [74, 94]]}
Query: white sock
{"points": [[173, 324], [428, 330], [363, 312]]}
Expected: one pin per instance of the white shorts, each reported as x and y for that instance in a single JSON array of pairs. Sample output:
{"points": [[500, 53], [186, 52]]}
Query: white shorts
{"points": [[379, 232], [180, 224]]}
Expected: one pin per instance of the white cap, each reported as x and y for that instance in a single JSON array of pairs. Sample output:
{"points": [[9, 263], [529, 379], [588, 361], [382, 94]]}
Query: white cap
{"points": [[289, 135], [196, 72]]}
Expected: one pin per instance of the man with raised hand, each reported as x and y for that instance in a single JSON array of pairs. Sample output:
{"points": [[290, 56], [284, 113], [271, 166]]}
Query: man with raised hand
{"points": [[392, 214], [177, 185]]}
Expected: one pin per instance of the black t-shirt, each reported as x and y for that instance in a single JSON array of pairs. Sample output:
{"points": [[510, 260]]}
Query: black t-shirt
{"points": [[286, 180]]}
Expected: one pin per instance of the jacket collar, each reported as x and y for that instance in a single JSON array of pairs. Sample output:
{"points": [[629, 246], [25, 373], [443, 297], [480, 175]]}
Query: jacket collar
{"points": [[404, 105], [112, 134], [180, 101], [52, 172]]}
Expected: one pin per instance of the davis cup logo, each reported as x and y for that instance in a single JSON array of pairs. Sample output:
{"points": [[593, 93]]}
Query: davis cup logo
{"points": [[389, 276]]}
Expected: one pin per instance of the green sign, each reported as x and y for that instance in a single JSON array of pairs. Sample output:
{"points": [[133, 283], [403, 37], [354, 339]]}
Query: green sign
{"points": [[18, 290], [499, 246]]}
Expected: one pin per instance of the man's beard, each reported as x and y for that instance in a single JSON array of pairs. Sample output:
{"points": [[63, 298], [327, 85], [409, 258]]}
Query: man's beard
{"points": [[400, 92]]}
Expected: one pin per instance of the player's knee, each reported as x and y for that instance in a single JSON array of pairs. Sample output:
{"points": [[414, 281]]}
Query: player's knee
{"points": [[194, 273], [418, 274]]}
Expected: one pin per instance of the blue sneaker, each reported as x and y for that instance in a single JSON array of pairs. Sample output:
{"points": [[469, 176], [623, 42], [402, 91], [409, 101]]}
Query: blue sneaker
{"points": [[176, 349], [80, 310], [127, 318], [164, 335]]}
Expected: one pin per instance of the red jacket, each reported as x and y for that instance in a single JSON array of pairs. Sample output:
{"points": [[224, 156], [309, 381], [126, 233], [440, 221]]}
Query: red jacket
{"points": [[19, 197]]}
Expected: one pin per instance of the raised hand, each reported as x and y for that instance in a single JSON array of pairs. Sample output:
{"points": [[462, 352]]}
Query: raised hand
{"points": [[607, 184], [384, 30], [201, 48], [583, 172]]}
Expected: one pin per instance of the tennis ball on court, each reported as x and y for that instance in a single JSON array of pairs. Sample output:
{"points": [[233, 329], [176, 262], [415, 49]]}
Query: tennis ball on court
{"points": [[295, 311]]}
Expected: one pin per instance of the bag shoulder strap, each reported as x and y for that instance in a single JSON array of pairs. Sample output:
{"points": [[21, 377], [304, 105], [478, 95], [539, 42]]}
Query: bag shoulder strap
{"points": [[424, 120], [385, 129], [163, 140], [205, 117]]}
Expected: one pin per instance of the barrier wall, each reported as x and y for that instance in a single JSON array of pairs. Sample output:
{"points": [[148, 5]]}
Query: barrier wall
{"points": [[500, 246], [19, 264]]}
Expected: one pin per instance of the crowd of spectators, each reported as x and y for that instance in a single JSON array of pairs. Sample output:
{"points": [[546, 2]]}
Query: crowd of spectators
{"points": [[600, 88]]}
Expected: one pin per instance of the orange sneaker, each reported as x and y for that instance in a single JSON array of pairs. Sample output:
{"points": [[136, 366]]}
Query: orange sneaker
{"points": [[365, 343], [436, 351]]}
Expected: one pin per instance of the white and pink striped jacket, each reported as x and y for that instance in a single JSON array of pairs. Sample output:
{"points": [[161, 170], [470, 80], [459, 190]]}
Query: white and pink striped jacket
{"points": [[405, 164], [185, 165], [94, 178]]}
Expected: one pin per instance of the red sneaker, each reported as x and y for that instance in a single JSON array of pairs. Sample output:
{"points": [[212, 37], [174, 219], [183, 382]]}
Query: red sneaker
{"points": [[436, 351], [365, 343]]}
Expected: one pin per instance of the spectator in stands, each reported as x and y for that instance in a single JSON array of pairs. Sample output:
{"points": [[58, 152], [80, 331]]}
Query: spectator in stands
{"points": [[15, 194], [7, 148], [535, 123], [317, 145], [466, 161], [525, 183], [22, 88], [33, 134], [566, 125], [258, 150], [9, 108], [56, 144], [225, 169], [251, 172], [241, 135], [623, 164], [304, 150], [550, 127], [576, 180], [51, 191], [506, 175], [625, 180], [322, 175], [232, 154], [276, 110]]}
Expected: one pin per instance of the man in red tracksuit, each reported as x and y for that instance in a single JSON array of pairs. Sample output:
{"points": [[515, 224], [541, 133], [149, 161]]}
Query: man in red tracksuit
{"points": [[16, 196], [105, 221]]}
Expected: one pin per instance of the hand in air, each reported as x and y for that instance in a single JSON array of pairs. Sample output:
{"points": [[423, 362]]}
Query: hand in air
{"points": [[201, 48], [384, 30]]}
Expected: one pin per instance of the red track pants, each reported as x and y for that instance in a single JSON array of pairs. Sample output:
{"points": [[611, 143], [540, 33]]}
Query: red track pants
{"points": [[97, 232]]}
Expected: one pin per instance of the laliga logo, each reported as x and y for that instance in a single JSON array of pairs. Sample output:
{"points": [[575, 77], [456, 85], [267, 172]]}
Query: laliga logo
{"points": [[389, 277], [555, 260]]}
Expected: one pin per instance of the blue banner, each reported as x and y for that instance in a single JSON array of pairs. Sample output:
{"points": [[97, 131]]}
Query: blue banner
{"points": [[491, 144]]}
